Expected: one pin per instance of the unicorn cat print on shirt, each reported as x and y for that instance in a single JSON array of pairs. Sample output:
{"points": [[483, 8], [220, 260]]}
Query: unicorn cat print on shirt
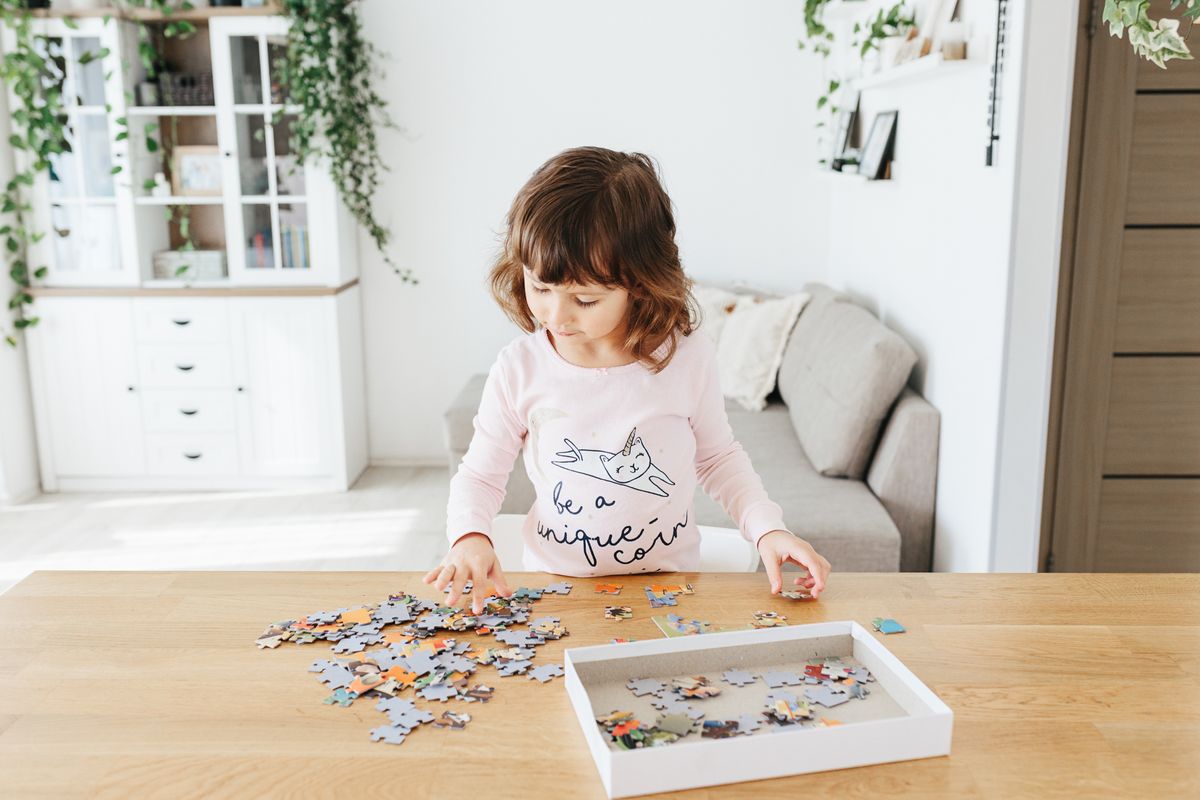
{"points": [[631, 466]]}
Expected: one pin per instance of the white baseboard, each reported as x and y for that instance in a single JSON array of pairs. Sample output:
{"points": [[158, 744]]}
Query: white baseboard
{"points": [[17, 498], [408, 462]]}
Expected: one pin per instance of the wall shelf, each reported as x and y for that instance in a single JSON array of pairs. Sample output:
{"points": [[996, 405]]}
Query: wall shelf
{"points": [[924, 68]]}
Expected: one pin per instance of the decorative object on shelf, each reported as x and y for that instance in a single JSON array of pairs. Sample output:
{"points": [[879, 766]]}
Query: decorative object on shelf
{"points": [[185, 89], [196, 170], [327, 71], [161, 188], [878, 148], [147, 94], [203, 265], [939, 16], [953, 41], [1157, 41], [886, 24]]}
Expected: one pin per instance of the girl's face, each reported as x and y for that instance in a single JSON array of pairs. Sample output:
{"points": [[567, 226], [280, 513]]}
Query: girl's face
{"points": [[579, 315]]}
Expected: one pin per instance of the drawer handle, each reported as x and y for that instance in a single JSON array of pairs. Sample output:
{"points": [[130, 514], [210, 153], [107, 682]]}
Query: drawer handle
{"points": [[185, 367], [192, 456], [182, 322], [188, 412]]}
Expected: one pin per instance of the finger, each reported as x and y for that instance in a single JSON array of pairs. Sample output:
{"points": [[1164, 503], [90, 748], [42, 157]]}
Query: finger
{"points": [[771, 562], [444, 576], [499, 581], [432, 574], [455, 586], [811, 562]]}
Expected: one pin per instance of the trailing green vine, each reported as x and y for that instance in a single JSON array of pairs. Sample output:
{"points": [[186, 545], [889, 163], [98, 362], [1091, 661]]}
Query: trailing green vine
{"points": [[39, 133], [1158, 41], [328, 73]]}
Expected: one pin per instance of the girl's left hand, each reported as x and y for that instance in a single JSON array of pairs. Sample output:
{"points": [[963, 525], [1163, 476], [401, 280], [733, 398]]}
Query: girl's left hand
{"points": [[779, 546]]}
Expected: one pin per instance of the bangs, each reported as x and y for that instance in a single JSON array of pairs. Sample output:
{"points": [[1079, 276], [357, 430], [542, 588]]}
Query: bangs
{"points": [[570, 245]]}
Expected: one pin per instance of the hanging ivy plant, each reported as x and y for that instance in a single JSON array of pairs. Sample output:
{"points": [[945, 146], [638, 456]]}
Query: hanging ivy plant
{"points": [[1158, 41], [33, 73], [328, 74]]}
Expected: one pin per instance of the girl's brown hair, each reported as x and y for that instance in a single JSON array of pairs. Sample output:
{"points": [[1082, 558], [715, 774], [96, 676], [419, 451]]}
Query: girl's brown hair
{"points": [[596, 216]]}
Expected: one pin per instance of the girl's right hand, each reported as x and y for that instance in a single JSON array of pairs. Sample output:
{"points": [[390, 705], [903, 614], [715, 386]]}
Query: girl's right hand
{"points": [[472, 558]]}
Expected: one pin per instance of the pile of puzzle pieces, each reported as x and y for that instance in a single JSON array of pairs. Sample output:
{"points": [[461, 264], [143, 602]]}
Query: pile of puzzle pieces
{"points": [[412, 653], [828, 682]]}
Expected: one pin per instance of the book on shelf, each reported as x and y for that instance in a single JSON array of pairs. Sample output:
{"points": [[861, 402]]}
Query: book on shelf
{"points": [[294, 240], [260, 251]]}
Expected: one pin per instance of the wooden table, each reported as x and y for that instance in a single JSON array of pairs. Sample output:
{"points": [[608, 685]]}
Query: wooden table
{"points": [[148, 684]]}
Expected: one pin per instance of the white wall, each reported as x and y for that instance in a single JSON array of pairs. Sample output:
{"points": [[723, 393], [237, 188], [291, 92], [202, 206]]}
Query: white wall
{"points": [[716, 91], [929, 252]]}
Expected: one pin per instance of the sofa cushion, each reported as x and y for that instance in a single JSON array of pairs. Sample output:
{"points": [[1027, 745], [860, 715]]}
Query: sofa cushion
{"points": [[751, 346], [841, 518], [841, 372]]}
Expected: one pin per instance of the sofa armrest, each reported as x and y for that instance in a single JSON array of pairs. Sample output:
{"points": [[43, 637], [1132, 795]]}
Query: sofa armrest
{"points": [[458, 426], [458, 420], [903, 475]]}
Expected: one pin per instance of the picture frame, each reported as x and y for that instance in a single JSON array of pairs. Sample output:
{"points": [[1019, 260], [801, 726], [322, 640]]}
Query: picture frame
{"points": [[196, 171], [877, 150], [843, 129]]}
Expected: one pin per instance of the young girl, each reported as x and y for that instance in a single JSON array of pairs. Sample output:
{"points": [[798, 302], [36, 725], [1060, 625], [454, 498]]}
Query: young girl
{"points": [[613, 394]]}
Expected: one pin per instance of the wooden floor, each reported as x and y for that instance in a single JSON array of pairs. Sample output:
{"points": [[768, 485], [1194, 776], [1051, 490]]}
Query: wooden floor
{"points": [[392, 519]]}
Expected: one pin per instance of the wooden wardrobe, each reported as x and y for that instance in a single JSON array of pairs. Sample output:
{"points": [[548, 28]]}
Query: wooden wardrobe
{"points": [[1123, 463]]}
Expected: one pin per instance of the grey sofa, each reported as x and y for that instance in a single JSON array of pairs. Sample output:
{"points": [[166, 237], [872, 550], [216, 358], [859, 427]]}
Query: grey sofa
{"points": [[844, 446]]}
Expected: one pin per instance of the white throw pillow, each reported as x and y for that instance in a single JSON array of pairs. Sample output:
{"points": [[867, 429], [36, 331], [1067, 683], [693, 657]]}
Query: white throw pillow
{"points": [[716, 306], [751, 346]]}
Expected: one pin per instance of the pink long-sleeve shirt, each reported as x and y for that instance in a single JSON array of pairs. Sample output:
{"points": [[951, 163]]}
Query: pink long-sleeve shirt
{"points": [[614, 454]]}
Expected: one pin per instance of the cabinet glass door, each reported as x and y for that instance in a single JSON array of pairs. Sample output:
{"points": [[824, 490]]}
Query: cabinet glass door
{"points": [[82, 243], [271, 211]]}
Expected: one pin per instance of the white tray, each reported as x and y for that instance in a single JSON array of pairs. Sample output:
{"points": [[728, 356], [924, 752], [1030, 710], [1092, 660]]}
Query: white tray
{"points": [[914, 723]]}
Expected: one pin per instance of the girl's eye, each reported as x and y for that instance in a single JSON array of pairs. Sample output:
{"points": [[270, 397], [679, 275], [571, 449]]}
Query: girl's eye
{"points": [[581, 303]]}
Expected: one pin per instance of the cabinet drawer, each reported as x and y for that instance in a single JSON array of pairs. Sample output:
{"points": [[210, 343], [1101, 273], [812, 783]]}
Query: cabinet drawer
{"points": [[184, 365], [181, 320], [192, 454], [187, 410]]}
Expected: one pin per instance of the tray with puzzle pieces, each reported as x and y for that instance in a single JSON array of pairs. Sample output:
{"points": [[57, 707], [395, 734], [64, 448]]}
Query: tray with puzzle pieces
{"points": [[692, 711]]}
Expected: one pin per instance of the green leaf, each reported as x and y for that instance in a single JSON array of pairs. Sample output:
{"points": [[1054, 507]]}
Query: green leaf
{"points": [[151, 145], [115, 170], [40, 272]]}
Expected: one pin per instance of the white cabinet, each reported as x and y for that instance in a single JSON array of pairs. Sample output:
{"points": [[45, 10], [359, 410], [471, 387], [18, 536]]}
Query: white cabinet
{"points": [[89, 413], [253, 379], [284, 364], [149, 392]]}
